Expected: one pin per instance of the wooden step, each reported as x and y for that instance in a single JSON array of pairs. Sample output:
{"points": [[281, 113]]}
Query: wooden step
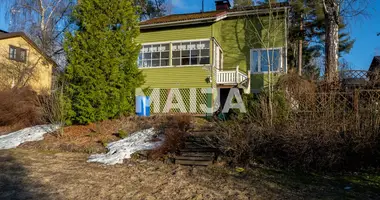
{"points": [[196, 142], [195, 146], [194, 158], [198, 154], [198, 150], [194, 162]]}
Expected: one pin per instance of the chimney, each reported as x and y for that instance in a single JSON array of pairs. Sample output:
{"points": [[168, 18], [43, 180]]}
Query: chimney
{"points": [[222, 4]]}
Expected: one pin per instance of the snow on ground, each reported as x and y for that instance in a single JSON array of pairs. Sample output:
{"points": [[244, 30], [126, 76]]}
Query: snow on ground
{"points": [[123, 149], [35, 133]]}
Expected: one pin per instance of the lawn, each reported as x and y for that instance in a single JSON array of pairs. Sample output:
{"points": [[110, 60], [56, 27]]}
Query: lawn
{"points": [[38, 174]]}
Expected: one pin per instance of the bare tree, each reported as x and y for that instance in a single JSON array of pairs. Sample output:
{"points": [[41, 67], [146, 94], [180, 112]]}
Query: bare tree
{"points": [[242, 3], [44, 21], [152, 8], [265, 32]]}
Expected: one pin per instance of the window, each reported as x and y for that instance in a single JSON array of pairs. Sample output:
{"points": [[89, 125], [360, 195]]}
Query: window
{"points": [[183, 54], [191, 53], [17, 54], [155, 55], [264, 59]]}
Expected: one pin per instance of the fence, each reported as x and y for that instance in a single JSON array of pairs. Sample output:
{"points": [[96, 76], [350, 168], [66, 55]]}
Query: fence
{"points": [[185, 100], [343, 107]]}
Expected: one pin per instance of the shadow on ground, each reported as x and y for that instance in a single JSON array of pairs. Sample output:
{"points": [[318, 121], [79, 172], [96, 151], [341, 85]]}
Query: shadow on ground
{"points": [[278, 184], [14, 181]]}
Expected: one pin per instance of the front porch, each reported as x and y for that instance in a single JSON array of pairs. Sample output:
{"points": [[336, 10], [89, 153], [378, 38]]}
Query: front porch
{"points": [[232, 78]]}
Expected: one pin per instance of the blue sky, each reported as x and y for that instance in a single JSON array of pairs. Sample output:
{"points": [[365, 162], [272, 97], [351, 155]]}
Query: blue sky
{"points": [[362, 29]]}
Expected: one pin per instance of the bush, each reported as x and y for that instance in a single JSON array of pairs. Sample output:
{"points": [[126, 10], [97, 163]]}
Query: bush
{"points": [[309, 130], [175, 128], [20, 108]]}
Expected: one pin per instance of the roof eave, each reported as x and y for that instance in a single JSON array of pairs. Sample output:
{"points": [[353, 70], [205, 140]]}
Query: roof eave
{"points": [[213, 19], [180, 23], [34, 45]]}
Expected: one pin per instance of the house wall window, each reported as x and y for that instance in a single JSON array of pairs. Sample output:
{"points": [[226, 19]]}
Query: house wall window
{"points": [[264, 59], [191, 53], [182, 54], [18, 54], [156, 55]]}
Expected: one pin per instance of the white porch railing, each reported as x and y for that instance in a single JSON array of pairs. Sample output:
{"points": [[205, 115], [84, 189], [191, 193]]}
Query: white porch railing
{"points": [[230, 77]]}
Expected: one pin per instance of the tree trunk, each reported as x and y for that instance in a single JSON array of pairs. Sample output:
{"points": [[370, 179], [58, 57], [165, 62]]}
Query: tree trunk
{"points": [[300, 48], [332, 40]]}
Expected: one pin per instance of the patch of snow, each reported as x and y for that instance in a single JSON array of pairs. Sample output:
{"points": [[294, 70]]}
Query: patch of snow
{"points": [[35, 133], [123, 149]]}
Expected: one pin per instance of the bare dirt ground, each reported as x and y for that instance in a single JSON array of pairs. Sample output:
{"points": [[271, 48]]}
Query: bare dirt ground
{"points": [[37, 174]]}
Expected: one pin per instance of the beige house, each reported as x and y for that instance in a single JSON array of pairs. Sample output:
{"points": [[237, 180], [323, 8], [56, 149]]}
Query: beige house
{"points": [[22, 63]]}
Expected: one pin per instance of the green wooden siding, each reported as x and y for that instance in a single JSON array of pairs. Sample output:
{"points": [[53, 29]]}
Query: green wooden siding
{"points": [[175, 33], [177, 77], [237, 36], [261, 81]]}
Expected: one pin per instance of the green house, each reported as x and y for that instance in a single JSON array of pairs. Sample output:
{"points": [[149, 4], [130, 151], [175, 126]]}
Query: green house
{"points": [[213, 51]]}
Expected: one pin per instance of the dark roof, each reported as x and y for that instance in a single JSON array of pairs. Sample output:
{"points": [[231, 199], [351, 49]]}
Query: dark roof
{"points": [[375, 65], [207, 15], [6, 35], [2, 31], [183, 17]]}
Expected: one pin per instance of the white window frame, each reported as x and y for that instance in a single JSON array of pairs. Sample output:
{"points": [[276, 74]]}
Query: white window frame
{"points": [[216, 46], [190, 41], [280, 67], [171, 53], [151, 59]]}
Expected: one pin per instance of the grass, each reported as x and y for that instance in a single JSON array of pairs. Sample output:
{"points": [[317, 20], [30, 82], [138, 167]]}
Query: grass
{"points": [[36, 174]]}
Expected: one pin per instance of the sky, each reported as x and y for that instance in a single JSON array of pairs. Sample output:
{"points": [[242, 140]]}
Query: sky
{"points": [[362, 29]]}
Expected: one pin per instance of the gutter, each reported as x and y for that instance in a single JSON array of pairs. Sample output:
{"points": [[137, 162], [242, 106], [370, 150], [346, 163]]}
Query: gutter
{"points": [[177, 23]]}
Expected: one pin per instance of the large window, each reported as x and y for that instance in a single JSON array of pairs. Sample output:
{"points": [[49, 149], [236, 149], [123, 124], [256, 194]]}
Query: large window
{"points": [[264, 59], [156, 55], [191, 53]]}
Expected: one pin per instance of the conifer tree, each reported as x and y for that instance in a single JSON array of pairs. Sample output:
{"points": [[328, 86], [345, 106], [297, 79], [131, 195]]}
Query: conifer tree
{"points": [[313, 34], [102, 53]]}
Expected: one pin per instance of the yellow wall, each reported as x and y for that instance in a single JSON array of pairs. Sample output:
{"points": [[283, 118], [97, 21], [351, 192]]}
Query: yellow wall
{"points": [[42, 69]]}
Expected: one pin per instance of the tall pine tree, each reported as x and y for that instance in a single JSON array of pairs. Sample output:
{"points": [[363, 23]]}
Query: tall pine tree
{"points": [[102, 53], [312, 35]]}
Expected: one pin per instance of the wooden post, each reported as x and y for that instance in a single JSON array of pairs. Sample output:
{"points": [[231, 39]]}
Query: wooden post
{"points": [[237, 75]]}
